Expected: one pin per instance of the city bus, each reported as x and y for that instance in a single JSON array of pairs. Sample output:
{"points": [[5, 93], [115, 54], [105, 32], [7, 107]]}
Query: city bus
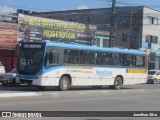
{"points": [[45, 64]]}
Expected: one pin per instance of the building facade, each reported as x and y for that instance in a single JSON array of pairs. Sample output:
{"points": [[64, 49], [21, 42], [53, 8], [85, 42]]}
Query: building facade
{"points": [[151, 36]]}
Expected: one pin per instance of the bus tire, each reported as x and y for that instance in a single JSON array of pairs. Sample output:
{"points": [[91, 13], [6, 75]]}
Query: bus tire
{"points": [[117, 83], [63, 83]]}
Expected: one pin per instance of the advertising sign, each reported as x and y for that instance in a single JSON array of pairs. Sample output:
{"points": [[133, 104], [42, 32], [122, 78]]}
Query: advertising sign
{"points": [[41, 29]]}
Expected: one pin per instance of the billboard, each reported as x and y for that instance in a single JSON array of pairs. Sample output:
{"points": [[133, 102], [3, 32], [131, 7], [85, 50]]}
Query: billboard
{"points": [[40, 29], [8, 35]]}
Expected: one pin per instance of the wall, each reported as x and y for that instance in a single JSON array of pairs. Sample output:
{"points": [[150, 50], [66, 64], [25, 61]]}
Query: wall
{"points": [[148, 28], [8, 35], [8, 58], [8, 44]]}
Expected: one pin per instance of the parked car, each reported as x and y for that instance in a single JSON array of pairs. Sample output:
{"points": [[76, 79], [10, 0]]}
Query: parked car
{"points": [[9, 78], [2, 69], [153, 76]]}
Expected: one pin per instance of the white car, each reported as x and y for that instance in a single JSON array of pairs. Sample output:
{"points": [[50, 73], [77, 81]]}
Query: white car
{"points": [[2, 69], [153, 76], [9, 78]]}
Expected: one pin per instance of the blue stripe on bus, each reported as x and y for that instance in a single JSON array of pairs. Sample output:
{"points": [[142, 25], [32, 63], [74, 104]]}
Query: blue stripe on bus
{"points": [[118, 50]]}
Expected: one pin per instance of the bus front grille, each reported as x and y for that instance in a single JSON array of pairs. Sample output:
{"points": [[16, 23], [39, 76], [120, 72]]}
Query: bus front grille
{"points": [[25, 81]]}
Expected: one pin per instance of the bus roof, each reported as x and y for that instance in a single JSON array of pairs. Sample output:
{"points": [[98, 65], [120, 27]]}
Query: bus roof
{"points": [[117, 50]]}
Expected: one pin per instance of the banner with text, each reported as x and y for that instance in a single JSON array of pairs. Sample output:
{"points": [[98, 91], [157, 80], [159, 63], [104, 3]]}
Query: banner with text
{"points": [[38, 29]]}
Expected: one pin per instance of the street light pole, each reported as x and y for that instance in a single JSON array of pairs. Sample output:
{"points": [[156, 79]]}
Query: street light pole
{"points": [[113, 24]]}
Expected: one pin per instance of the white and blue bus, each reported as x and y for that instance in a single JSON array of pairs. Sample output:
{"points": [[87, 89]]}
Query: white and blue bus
{"points": [[63, 65]]}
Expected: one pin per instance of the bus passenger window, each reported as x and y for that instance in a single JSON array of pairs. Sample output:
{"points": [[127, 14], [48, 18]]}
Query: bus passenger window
{"points": [[101, 58], [115, 59], [71, 56], [140, 61], [127, 60], [87, 57], [51, 59]]}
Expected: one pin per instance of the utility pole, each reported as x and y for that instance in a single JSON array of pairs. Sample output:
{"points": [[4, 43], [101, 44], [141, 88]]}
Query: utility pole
{"points": [[130, 32], [113, 24]]}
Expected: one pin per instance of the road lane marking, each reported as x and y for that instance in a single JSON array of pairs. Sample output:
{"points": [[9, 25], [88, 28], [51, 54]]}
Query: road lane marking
{"points": [[19, 94], [56, 94]]}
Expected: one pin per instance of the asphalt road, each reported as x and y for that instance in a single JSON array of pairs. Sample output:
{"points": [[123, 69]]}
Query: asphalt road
{"points": [[143, 97]]}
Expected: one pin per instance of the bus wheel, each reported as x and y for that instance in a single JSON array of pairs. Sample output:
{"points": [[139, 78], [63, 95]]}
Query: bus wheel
{"points": [[41, 87], [117, 83], [63, 83]]}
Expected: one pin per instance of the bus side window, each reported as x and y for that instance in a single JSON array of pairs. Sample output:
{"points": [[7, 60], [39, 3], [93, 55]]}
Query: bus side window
{"points": [[71, 56], [127, 60], [51, 59], [139, 61], [101, 58], [87, 57], [114, 59], [74, 56]]}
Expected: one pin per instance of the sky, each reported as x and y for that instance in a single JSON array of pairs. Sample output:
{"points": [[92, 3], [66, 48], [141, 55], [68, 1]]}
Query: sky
{"points": [[61, 5]]}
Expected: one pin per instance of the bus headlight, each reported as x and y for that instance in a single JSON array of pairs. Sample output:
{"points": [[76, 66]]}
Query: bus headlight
{"points": [[39, 76]]}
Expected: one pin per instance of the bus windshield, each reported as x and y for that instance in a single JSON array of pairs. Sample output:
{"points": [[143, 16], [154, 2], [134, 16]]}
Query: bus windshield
{"points": [[30, 58]]}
